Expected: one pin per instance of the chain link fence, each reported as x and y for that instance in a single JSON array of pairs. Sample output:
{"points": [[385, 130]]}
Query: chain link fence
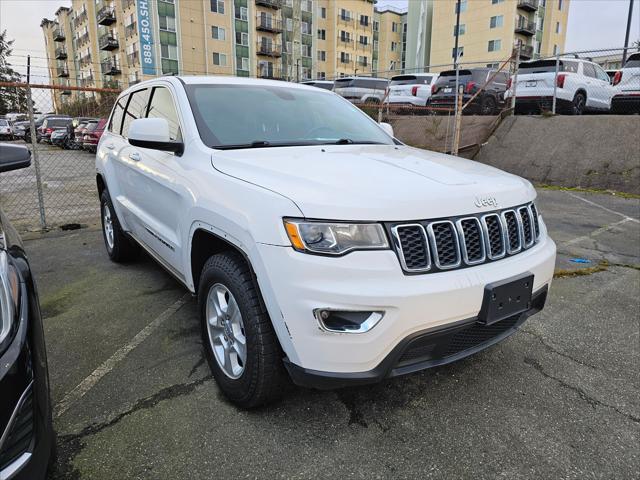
{"points": [[59, 188]]}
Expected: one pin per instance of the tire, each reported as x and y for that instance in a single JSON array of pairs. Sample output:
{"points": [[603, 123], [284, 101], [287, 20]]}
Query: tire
{"points": [[578, 104], [259, 377], [488, 106], [120, 248]]}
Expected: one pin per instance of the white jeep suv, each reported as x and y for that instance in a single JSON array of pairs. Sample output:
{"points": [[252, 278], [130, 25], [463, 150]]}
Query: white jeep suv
{"points": [[626, 84], [317, 244], [579, 86]]}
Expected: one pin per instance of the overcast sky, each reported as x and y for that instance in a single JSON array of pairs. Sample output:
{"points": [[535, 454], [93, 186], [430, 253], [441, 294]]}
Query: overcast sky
{"points": [[593, 24]]}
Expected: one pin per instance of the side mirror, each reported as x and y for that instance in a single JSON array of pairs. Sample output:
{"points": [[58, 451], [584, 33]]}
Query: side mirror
{"points": [[153, 133], [14, 157], [387, 128]]}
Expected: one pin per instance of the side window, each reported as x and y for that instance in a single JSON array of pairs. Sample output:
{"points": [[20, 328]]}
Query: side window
{"points": [[136, 108], [569, 66], [601, 74], [162, 106], [588, 70], [116, 117]]}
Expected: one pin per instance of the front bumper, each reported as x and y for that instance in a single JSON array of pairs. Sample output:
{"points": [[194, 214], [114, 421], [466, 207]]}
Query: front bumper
{"points": [[26, 435], [374, 281]]}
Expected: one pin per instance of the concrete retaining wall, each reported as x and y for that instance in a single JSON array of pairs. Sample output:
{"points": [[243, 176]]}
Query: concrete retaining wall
{"points": [[599, 151]]}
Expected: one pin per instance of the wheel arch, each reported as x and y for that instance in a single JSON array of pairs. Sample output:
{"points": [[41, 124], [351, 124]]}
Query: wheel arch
{"points": [[101, 184]]}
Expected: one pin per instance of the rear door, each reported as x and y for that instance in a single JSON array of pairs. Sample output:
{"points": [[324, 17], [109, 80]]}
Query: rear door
{"points": [[597, 90]]}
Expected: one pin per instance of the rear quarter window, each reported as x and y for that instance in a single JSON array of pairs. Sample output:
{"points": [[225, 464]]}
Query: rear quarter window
{"points": [[115, 123]]}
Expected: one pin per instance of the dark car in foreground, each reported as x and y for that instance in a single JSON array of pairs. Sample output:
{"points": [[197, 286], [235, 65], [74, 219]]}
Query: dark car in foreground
{"points": [[490, 83], [26, 432]]}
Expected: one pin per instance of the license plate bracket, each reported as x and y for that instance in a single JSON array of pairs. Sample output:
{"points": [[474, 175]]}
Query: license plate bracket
{"points": [[506, 298], [531, 83]]}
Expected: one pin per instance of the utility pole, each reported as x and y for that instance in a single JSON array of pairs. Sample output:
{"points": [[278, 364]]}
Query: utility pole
{"points": [[626, 37], [455, 49], [28, 68]]}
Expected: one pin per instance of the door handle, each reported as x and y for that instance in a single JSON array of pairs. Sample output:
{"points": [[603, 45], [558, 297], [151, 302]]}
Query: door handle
{"points": [[135, 156], [111, 146]]}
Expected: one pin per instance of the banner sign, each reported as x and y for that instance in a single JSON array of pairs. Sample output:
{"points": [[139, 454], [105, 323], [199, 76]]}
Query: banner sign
{"points": [[145, 33]]}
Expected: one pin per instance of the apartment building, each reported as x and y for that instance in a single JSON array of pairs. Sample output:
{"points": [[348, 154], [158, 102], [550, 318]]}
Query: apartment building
{"points": [[490, 30], [117, 43]]}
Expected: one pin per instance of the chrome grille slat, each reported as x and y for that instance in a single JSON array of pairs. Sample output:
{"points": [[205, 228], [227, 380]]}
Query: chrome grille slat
{"points": [[446, 244]]}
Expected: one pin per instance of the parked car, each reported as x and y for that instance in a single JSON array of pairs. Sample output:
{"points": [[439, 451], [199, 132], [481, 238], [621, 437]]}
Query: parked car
{"points": [[411, 89], [361, 89], [50, 124], [580, 86], [314, 240], [326, 84], [92, 135], [19, 129], [58, 137], [26, 432], [489, 101], [626, 87], [6, 130]]}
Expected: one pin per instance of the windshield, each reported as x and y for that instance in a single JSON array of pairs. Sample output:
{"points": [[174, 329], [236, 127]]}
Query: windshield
{"points": [[58, 122], [244, 116], [546, 66], [91, 126]]}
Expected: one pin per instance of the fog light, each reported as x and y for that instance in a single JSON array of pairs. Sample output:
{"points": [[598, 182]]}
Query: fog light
{"points": [[347, 321]]}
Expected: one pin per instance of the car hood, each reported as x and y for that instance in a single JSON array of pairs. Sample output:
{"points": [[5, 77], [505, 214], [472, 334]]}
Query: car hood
{"points": [[375, 182]]}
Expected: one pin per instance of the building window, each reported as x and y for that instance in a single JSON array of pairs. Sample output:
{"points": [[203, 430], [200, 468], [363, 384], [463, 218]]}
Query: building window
{"points": [[305, 50], [242, 38], [345, 15], [558, 28], [323, 12], [394, 46], [345, 36], [218, 33], [496, 1], [463, 6], [555, 49], [217, 6], [289, 24], [364, 20], [496, 22], [462, 29], [167, 24], [219, 59], [494, 45], [460, 52], [394, 27], [376, 25], [169, 51], [364, 40], [559, 4], [363, 61], [242, 13], [305, 28], [305, 5], [322, 56], [322, 34], [344, 57], [244, 64], [322, 75]]}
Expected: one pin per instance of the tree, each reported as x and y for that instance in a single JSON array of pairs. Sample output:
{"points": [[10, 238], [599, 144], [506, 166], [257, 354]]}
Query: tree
{"points": [[12, 99]]}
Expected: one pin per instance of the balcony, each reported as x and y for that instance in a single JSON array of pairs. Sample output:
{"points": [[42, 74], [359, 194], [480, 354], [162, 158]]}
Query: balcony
{"points": [[525, 27], [131, 29], [133, 59], [127, 3], [266, 23], [108, 42], [86, 60], [86, 81], [526, 52], [58, 35], [84, 38], [269, 49], [275, 4], [63, 71], [271, 71], [111, 68], [80, 18], [61, 53], [106, 16], [345, 19], [345, 40], [528, 5]]}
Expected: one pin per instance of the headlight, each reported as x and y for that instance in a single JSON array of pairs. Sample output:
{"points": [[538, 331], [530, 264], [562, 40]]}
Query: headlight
{"points": [[334, 238], [9, 297]]}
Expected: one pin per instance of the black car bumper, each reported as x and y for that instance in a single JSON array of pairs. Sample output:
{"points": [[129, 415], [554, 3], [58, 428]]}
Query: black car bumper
{"points": [[422, 350], [626, 103], [541, 104], [26, 434]]}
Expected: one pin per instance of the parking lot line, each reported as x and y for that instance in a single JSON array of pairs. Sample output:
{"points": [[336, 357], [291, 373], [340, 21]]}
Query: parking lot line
{"points": [[89, 382], [597, 231], [604, 208]]}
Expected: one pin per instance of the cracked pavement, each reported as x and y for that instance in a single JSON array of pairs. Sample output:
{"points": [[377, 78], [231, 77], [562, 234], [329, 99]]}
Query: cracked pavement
{"points": [[559, 399]]}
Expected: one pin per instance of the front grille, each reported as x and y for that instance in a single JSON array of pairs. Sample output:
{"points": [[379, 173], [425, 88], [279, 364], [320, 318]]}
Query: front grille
{"points": [[444, 244], [18, 441]]}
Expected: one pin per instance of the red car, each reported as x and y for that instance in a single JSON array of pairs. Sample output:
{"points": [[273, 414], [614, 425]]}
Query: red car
{"points": [[92, 135]]}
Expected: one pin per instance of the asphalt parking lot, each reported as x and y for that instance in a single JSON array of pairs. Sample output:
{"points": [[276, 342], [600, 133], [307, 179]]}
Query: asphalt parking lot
{"points": [[560, 399]]}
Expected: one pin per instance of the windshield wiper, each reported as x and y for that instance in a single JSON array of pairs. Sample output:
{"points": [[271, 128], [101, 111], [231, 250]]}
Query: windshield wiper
{"points": [[349, 141]]}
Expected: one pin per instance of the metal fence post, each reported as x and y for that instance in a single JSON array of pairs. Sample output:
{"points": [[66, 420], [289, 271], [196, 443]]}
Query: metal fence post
{"points": [[456, 133], [36, 160], [514, 82], [555, 84]]}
